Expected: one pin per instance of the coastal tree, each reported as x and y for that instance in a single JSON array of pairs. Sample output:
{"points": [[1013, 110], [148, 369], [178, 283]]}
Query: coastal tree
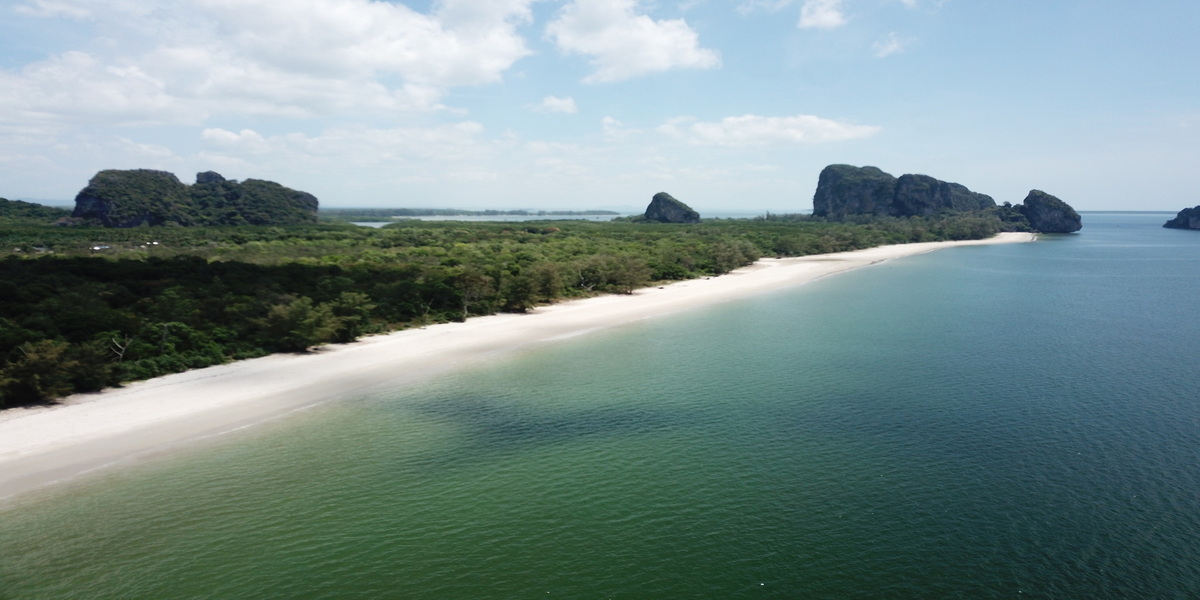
{"points": [[547, 280], [42, 371], [472, 285], [94, 367], [353, 313], [297, 324], [519, 292]]}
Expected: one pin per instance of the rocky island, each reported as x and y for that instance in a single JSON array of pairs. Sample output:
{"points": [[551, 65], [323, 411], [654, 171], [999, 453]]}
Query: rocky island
{"points": [[664, 208], [1188, 218], [132, 198], [1048, 214], [846, 191]]}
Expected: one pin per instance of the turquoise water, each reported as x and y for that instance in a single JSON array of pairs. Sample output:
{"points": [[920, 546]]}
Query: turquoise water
{"points": [[1000, 421]]}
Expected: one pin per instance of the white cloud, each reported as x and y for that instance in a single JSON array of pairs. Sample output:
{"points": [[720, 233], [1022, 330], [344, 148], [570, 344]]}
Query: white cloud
{"points": [[890, 44], [822, 14], [356, 145], [149, 151], [168, 62], [554, 104], [464, 43], [244, 141], [623, 44], [76, 87], [755, 130]]}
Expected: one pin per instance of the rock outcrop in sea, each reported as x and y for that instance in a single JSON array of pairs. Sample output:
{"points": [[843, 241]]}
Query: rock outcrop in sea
{"points": [[666, 209], [132, 198], [844, 190], [1188, 218], [1048, 214]]}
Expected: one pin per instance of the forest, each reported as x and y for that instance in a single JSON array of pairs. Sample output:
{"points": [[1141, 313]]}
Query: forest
{"points": [[350, 215], [84, 308]]}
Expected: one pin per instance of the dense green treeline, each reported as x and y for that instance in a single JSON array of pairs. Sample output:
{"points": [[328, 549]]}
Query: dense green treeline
{"points": [[342, 215], [15, 212], [86, 308]]}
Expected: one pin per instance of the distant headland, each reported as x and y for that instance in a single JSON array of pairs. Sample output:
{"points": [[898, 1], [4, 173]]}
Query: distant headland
{"points": [[1188, 218]]}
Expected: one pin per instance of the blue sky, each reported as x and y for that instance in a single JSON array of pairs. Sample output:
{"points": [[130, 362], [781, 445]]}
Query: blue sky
{"points": [[729, 105]]}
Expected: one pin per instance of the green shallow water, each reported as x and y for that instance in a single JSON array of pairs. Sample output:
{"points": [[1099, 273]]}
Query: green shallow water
{"points": [[1002, 421]]}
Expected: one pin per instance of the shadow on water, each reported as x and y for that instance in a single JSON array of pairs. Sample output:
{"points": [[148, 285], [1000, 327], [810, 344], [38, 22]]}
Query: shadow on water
{"points": [[490, 428]]}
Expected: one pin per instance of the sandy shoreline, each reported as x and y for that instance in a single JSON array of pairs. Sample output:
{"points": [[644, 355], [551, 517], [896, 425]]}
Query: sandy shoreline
{"points": [[45, 445]]}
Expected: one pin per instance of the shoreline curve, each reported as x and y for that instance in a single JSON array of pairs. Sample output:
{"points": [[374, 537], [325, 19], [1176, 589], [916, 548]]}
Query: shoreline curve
{"points": [[84, 433]]}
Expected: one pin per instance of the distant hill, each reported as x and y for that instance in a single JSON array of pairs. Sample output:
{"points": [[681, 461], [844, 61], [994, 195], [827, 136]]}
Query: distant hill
{"points": [[132, 198], [844, 190], [14, 212], [664, 208]]}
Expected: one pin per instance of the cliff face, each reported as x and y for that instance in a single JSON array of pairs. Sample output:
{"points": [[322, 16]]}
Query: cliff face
{"points": [[922, 195], [1048, 214], [844, 190], [1188, 218], [666, 209], [116, 198]]}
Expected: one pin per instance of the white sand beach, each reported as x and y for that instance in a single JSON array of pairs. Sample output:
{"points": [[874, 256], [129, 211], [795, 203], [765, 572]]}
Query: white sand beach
{"points": [[44, 445]]}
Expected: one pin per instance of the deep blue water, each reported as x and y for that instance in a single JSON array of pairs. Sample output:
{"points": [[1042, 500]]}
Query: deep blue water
{"points": [[997, 421]]}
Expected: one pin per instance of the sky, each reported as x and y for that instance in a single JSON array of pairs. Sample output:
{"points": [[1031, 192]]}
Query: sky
{"points": [[728, 105]]}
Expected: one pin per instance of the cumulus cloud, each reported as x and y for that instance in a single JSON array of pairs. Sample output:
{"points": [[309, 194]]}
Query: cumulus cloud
{"points": [[623, 44], [463, 43], [77, 87], [755, 130], [822, 14], [553, 104], [164, 61]]}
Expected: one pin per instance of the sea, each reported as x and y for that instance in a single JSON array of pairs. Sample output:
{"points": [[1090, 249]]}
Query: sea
{"points": [[1008, 421]]}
